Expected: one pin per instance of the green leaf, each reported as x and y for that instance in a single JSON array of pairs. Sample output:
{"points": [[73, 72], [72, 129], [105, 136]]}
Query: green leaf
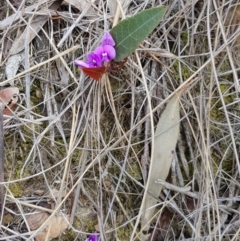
{"points": [[129, 33], [165, 140]]}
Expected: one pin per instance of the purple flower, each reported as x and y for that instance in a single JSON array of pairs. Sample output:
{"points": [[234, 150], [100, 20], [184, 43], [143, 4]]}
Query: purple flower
{"points": [[106, 53], [93, 237], [107, 40], [94, 60]]}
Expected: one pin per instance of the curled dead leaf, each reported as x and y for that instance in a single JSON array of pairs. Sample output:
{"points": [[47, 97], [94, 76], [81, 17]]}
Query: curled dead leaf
{"points": [[54, 227], [35, 220], [9, 98]]}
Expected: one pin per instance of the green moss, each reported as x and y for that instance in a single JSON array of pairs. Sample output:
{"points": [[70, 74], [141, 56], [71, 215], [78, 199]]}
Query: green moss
{"points": [[184, 37], [227, 95], [221, 159], [216, 112], [134, 170], [90, 224], [16, 189], [124, 233], [185, 71], [67, 236], [84, 223]]}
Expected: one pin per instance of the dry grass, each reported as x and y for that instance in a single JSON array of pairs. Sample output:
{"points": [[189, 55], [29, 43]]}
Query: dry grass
{"points": [[81, 147]]}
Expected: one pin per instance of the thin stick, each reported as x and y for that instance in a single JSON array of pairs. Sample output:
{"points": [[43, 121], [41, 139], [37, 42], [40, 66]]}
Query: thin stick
{"points": [[1, 161], [41, 64]]}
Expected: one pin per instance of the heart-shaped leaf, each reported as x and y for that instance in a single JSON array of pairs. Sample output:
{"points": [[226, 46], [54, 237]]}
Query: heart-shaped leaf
{"points": [[129, 33]]}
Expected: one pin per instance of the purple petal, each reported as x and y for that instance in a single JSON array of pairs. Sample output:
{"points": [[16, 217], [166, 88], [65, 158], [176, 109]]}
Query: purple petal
{"points": [[94, 60], [111, 52], [81, 64], [107, 40], [99, 51], [93, 237], [106, 53]]}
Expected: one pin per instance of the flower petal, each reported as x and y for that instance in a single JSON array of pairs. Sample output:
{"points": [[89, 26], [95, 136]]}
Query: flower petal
{"points": [[94, 60], [93, 237], [111, 52], [81, 64], [107, 40], [99, 51], [106, 53]]}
